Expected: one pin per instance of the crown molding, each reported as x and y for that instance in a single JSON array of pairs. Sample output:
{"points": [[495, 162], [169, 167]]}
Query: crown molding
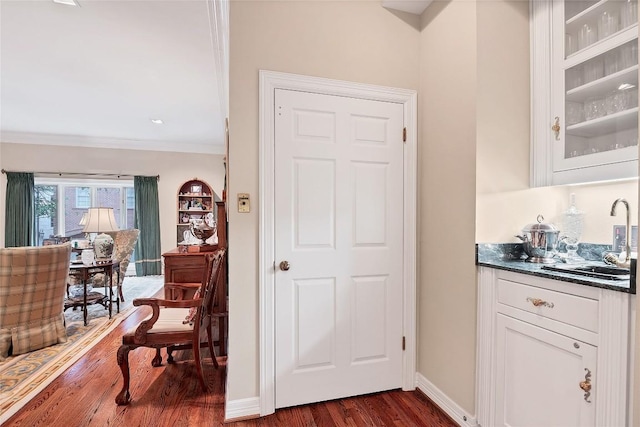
{"points": [[112, 143]]}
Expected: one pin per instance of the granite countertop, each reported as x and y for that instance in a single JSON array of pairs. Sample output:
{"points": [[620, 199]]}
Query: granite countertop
{"points": [[511, 256]]}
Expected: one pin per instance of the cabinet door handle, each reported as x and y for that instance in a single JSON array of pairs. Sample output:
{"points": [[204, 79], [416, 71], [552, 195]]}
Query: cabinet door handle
{"points": [[539, 302], [556, 128], [586, 385]]}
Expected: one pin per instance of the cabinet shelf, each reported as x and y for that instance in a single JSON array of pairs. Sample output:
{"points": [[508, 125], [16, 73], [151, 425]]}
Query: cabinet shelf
{"points": [[191, 194], [602, 46], [604, 85], [626, 119]]}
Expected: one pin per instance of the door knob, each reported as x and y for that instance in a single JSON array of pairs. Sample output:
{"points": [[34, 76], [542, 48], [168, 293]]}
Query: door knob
{"points": [[284, 265]]}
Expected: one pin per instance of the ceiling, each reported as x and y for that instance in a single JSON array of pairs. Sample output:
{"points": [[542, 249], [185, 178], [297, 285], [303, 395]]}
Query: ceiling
{"points": [[97, 73]]}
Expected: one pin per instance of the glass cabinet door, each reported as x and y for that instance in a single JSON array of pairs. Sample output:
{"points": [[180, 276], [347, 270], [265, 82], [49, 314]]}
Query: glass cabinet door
{"points": [[595, 79]]}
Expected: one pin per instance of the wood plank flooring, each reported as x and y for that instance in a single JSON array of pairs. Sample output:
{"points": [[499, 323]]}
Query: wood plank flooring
{"points": [[171, 396]]}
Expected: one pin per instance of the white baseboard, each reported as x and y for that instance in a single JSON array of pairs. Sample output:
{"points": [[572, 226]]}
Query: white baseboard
{"points": [[450, 407], [250, 407], [242, 408]]}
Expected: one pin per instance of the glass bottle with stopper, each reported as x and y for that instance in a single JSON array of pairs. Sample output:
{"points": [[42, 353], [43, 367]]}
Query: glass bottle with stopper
{"points": [[573, 223]]}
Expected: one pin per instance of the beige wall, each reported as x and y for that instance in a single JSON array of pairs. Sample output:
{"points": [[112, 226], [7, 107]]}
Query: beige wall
{"points": [[173, 168], [357, 41], [447, 121]]}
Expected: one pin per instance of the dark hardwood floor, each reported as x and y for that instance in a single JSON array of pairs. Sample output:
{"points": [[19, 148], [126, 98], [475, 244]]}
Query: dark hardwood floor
{"points": [[172, 396]]}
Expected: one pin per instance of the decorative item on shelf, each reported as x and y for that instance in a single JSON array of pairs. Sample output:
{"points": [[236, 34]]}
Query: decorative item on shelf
{"points": [[185, 218], [101, 220]]}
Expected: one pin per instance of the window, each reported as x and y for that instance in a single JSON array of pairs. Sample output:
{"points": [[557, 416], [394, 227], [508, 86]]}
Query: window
{"points": [[131, 201], [60, 204], [83, 197]]}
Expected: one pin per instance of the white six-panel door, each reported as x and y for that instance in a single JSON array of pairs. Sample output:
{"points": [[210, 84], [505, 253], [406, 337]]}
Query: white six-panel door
{"points": [[339, 225]]}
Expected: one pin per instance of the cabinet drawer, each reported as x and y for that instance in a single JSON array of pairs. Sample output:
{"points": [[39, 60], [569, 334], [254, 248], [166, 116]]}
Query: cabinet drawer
{"points": [[570, 309]]}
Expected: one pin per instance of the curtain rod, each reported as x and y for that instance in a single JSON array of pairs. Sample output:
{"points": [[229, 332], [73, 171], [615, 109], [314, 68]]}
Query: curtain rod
{"points": [[112, 175]]}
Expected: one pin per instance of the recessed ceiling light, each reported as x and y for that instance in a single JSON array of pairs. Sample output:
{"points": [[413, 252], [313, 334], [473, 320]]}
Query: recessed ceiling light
{"points": [[625, 86], [157, 121], [67, 2]]}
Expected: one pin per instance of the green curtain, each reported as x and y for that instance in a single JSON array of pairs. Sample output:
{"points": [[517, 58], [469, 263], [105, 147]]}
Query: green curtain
{"points": [[147, 220], [19, 210]]}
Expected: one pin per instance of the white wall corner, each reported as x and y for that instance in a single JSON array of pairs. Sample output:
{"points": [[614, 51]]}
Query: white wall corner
{"points": [[242, 409], [444, 402]]}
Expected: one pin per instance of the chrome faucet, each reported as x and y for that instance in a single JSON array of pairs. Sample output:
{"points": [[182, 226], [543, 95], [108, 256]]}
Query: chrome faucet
{"points": [[611, 258]]}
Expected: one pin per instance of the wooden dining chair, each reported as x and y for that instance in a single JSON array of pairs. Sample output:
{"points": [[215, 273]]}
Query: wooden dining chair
{"points": [[176, 325]]}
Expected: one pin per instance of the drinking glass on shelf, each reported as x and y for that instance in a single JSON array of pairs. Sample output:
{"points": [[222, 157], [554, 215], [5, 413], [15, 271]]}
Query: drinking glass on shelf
{"points": [[628, 13], [570, 44], [607, 24], [629, 55], [574, 111], [594, 108], [574, 77], [594, 69], [611, 106], [633, 97], [612, 62], [587, 36]]}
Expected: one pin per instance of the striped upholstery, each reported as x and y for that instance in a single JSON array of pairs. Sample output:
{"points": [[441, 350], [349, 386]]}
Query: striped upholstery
{"points": [[32, 291], [170, 320]]}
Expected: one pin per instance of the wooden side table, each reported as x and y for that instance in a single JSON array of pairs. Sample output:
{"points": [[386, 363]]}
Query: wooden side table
{"points": [[84, 273]]}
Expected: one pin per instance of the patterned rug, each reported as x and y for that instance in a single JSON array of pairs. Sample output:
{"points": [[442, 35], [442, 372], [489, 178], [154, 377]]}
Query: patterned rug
{"points": [[23, 376]]}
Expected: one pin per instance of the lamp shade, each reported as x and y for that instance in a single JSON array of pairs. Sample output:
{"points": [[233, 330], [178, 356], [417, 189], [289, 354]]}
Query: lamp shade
{"points": [[83, 220], [100, 220]]}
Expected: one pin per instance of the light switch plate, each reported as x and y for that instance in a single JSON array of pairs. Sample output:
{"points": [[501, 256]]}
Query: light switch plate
{"points": [[243, 203]]}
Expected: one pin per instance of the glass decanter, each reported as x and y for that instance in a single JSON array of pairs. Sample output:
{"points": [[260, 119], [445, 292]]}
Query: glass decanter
{"points": [[573, 224]]}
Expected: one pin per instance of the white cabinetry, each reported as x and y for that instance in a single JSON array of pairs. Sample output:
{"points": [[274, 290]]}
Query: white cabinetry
{"points": [[550, 353], [550, 365], [585, 59]]}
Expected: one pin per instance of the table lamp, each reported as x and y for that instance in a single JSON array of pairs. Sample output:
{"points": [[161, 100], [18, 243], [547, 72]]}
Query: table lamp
{"points": [[101, 220]]}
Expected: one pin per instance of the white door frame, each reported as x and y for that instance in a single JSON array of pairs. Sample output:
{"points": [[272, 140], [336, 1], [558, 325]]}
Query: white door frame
{"points": [[269, 82]]}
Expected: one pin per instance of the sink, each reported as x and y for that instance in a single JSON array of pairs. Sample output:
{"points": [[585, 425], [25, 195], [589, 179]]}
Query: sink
{"points": [[616, 271], [594, 270]]}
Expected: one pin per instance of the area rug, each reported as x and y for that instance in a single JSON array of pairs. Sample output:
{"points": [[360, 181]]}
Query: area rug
{"points": [[24, 376]]}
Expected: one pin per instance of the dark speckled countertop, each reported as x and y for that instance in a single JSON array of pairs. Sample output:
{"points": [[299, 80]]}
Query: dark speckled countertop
{"points": [[511, 256]]}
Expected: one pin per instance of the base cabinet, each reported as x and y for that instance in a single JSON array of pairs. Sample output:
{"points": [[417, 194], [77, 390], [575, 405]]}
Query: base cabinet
{"points": [[538, 377], [551, 353]]}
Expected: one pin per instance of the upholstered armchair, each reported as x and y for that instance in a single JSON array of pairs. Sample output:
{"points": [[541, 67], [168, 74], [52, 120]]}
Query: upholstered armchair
{"points": [[33, 283], [124, 243]]}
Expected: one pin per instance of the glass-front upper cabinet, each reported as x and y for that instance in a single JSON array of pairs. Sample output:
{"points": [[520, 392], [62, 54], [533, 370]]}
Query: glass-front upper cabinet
{"points": [[590, 132]]}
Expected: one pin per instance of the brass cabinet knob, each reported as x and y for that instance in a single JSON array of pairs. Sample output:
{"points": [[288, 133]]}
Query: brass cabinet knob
{"points": [[586, 385], [284, 265]]}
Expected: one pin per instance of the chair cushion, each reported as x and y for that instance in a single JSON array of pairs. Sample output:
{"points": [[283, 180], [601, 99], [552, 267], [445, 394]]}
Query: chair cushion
{"points": [[170, 320]]}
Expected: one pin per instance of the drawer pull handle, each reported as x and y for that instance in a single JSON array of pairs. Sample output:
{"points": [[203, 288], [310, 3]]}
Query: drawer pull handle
{"points": [[539, 302], [586, 385]]}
